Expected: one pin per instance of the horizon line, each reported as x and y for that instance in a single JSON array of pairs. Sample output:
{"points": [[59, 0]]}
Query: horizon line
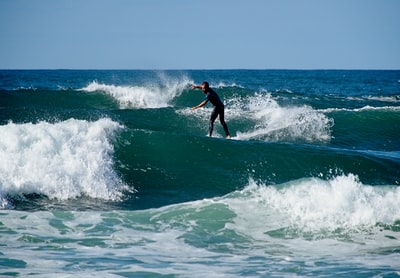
{"points": [[208, 69]]}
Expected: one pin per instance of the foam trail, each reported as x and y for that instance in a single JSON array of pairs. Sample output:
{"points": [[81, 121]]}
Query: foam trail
{"points": [[142, 96], [276, 123], [395, 98], [63, 160]]}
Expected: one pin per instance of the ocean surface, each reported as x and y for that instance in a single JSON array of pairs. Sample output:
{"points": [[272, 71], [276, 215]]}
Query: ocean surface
{"points": [[111, 174]]}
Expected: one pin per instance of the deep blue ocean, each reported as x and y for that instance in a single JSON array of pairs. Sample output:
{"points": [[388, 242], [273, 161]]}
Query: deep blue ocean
{"points": [[111, 174]]}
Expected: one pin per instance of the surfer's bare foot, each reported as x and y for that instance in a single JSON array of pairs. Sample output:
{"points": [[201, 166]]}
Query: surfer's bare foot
{"points": [[228, 137]]}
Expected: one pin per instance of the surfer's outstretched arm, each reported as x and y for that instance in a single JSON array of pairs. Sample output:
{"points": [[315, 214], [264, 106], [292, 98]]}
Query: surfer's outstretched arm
{"points": [[204, 102]]}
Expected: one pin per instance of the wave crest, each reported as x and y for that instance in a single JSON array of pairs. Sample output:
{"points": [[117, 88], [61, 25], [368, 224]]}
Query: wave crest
{"points": [[153, 96], [64, 160], [313, 204]]}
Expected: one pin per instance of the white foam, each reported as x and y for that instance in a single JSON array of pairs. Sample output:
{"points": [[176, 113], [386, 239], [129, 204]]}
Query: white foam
{"points": [[152, 96], [274, 122], [62, 160], [384, 98], [226, 85], [362, 109], [313, 204]]}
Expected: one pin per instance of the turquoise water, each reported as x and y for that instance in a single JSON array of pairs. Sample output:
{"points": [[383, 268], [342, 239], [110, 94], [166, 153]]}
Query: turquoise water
{"points": [[110, 174]]}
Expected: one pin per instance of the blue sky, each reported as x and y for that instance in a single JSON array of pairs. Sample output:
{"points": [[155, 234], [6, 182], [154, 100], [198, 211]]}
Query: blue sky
{"points": [[200, 34]]}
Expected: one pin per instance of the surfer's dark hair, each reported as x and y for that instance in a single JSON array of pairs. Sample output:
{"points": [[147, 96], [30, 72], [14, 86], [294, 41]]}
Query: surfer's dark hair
{"points": [[205, 83]]}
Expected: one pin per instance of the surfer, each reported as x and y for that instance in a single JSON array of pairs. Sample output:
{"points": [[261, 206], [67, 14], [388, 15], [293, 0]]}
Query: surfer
{"points": [[212, 96]]}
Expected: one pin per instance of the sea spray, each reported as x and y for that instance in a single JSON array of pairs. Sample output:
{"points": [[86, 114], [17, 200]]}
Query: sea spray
{"points": [[151, 96], [275, 122]]}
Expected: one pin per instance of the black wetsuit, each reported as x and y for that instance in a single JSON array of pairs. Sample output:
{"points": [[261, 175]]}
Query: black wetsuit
{"points": [[212, 97]]}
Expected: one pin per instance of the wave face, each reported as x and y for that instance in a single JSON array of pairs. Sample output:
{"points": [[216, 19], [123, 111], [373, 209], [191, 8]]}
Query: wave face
{"points": [[112, 173]]}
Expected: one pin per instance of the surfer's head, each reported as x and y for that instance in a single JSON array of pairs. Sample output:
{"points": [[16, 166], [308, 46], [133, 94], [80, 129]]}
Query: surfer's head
{"points": [[205, 86]]}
